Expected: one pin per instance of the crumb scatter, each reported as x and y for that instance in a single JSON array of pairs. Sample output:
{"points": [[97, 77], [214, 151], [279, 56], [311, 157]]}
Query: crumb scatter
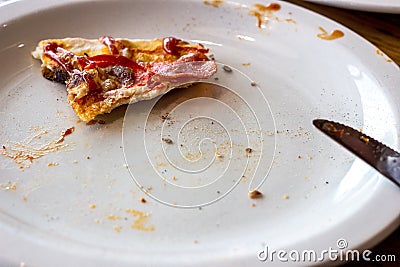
{"points": [[24, 153], [255, 194]]}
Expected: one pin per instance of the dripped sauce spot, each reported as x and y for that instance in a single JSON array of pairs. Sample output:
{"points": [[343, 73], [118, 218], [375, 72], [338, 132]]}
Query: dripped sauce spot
{"points": [[335, 34], [214, 3], [264, 12]]}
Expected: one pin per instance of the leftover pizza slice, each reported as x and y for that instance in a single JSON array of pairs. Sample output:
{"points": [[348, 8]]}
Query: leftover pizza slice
{"points": [[102, 74]]}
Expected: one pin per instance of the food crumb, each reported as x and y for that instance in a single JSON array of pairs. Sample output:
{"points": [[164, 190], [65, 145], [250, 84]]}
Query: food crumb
{"points": [[249, 150], [227, 68], [255, 194], [52, 164], [218, 155], [24, 198], [113, 217], [253, 83], [87, 157], [167, 140], [299, 156], [140, 220], [196, 241], [4, 147], [143, 200], [9, 186], [246, 64], [117, 228], [286, 197], [165, 117], [253, 204], [92, 206], [174, 178], [75, 161], [364, 139], [291, 21]]}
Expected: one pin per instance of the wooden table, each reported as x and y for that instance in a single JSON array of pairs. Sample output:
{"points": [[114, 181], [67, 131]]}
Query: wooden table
{"points": [[383, 30]]}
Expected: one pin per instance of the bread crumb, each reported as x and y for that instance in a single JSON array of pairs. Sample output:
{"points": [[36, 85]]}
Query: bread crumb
{"points": [[167, 140], [286, 197], [92, 206], [117, 228], [143, 200], [255, 194], [113, 217], [253, 204], [140, 220], [196, 241], [249, 150], [52, 164], [9, 186]]}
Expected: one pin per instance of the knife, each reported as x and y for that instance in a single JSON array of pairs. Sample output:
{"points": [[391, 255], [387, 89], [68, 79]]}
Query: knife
{"points": [[384, 159]]}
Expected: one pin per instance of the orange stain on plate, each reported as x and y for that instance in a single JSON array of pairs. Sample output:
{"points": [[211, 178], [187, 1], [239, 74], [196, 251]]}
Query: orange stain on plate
{"points": [[335, 34], [214, 3], [264, 12], [379, 52]]}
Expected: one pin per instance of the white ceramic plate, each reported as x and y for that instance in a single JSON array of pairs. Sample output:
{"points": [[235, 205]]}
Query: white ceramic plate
{"points": [[384, 6], [79, 205]]}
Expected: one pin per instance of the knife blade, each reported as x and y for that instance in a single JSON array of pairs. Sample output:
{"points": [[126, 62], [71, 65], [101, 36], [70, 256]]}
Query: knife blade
{"points": [[381, 157]]}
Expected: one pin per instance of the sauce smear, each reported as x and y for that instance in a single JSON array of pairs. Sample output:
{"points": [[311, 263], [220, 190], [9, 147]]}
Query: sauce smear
{"points": [[329, 36], [214, 3], [264, 12]]}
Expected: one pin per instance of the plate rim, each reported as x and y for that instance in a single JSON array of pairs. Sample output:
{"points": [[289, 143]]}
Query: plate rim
{"points": [[361, 5]]}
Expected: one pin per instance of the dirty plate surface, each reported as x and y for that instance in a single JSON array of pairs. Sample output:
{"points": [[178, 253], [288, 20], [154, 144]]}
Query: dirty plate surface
{"points": [[165, 182]]}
